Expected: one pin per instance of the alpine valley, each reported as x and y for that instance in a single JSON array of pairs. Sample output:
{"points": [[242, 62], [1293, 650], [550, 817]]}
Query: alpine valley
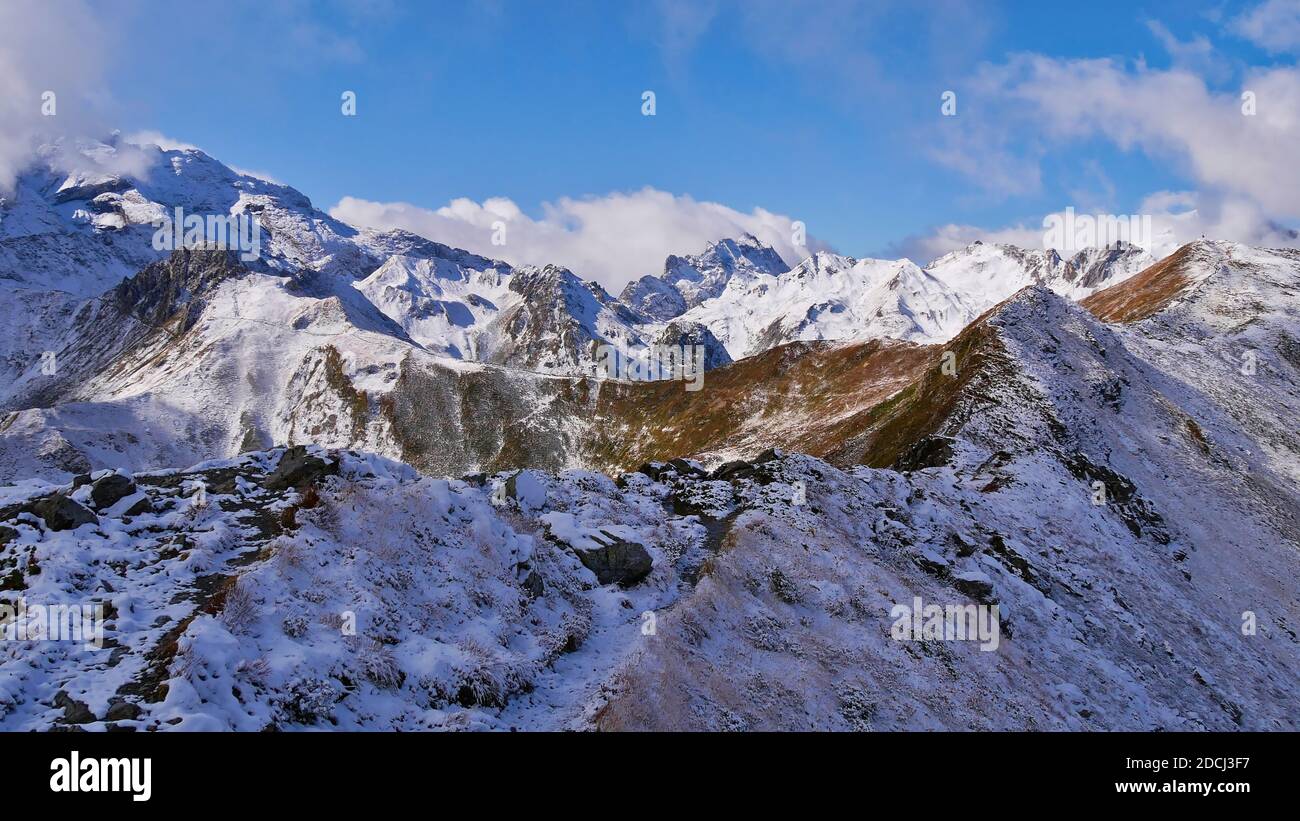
{"points": [[369, 481]]}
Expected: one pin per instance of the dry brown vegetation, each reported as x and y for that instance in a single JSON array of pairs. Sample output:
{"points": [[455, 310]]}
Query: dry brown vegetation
{"points": [[804, 396], [1146, 293]]}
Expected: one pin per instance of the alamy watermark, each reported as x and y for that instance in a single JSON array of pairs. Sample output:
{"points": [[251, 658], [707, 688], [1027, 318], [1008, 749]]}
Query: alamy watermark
{"points": [[125, 775], [952, 622], [653, 364], [53, 622], [1070, 233], [225, 232]]}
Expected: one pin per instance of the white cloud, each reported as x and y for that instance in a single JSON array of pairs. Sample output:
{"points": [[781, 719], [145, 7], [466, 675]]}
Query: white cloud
{"points": [[1177, 218], [611, 239], [149, 137], [1242, 167], [1170, 115], [48, 47], [1273, 26], [1196, 54]]}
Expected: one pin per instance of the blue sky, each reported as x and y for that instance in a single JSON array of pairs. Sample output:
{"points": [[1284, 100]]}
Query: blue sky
{"points": [[826, 112]]}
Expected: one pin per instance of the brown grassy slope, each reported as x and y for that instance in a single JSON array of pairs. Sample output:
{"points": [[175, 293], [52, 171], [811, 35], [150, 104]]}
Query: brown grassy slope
{"points": [[806, 396], [935, 403], [1144, 294], [850, 403]]}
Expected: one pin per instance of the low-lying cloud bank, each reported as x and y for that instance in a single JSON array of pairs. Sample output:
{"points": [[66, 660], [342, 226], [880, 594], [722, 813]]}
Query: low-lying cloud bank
{"points": [[612, 239]]}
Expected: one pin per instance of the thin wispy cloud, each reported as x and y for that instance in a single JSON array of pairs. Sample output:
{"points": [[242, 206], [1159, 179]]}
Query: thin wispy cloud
{"points": [[1273, 25]]}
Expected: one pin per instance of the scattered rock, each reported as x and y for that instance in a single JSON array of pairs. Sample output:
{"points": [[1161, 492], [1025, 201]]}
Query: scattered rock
{"points": [[142, 505], [7, 535], [733, 470], [655, 470], [616, 562], [928, 452], [975, 584], [110, 489], [122, 711], [687, 468], [965, 545], [62, 513], [534, 585], [297, 469], [527, 490], [932, 563], [74, 712]]}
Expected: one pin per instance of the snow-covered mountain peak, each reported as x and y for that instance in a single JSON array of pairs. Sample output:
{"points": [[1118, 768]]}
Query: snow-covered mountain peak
{"points": [[687, 281], [830, 296], [1208, 286], [984, 273], [745, 253]]}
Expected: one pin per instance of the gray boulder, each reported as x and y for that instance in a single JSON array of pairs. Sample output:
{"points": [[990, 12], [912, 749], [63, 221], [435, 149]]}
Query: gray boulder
{"points": [[975, 584], [110, 489], [62, 513], [297, 469], [616, 561]]}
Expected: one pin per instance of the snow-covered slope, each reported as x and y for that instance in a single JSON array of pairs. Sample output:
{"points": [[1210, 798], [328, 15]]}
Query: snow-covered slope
{"points": [[197, 357], [442, 302], [1224, 319], [81, 219], [291, 590], [984, 274]]}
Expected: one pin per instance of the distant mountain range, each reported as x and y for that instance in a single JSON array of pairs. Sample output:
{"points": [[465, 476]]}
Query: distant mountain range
{"points": [[391, 305]]}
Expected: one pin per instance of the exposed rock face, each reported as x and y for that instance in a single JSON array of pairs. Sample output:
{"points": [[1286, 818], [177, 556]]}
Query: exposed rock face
{"points": [[110, 489], [928, 452], [687, 281], [559, 323], [698, 341], [1099, 267], [653, 298], [160, 292], [299, 468], [62, 513], [704, 276], [135, 321], [973, 583], [617, 562]]}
